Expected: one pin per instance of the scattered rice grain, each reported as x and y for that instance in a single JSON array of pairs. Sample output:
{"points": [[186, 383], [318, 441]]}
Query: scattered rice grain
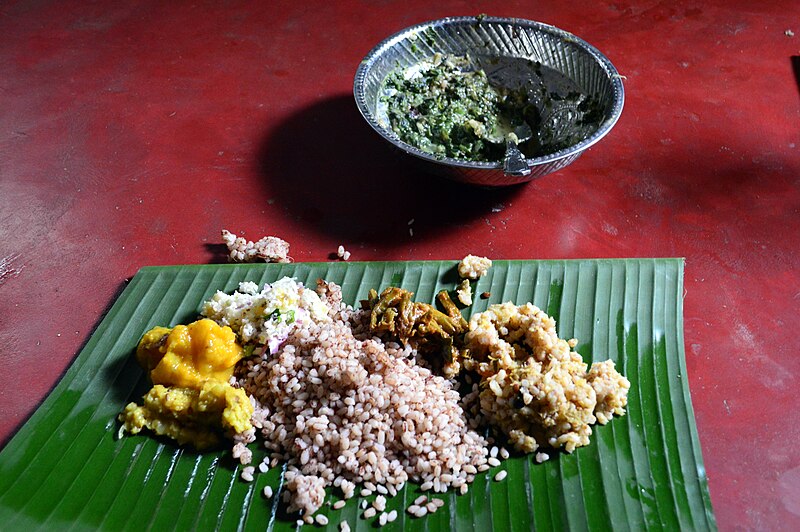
{"points": [[542, 457], [247, 473], [379, 503]]}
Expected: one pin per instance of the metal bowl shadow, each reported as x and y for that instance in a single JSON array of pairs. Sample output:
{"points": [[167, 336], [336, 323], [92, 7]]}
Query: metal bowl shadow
{"points": [[491, 37]]}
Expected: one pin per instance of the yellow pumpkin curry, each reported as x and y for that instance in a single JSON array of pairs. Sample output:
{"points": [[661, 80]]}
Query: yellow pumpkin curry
{"points": [[191, 400]]}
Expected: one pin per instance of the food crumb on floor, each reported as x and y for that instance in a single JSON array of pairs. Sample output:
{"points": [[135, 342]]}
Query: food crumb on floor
{"points": [[269, 248], [342, 253]]}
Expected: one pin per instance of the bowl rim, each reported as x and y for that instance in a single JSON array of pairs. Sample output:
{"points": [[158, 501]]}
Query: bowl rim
{"points": [[389, 134]]}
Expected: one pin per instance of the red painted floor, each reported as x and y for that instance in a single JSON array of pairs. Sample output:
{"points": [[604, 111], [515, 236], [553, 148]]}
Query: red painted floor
{"points": [[132, 132]]}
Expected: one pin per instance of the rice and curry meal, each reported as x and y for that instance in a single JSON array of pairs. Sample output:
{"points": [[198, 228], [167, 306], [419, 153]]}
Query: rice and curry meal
{"points": [[364, 400]]}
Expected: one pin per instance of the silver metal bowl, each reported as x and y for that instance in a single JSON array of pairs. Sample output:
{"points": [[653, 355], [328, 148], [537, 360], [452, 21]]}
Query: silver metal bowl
{"points": [[502, 38]]}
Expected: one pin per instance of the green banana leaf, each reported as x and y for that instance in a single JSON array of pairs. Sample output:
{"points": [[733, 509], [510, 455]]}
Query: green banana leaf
{"points": [[66, 468]]}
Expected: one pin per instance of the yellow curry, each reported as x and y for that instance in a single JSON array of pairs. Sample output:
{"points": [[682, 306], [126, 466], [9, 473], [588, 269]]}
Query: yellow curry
{"points": [[188, 355], [191, 400]]}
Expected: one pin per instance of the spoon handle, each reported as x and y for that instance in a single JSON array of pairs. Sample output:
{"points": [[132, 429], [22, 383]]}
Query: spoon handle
{"points": [[514, 163]]}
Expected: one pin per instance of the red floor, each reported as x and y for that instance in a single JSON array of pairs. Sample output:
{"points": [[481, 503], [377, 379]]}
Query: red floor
{"points": [[132, 132]]}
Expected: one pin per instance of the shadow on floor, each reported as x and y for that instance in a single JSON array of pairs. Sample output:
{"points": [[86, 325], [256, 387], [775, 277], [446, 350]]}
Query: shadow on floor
{"points": [[334, 174]]}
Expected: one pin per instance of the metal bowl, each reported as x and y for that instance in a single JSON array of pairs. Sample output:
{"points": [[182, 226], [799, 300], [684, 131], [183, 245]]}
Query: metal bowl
{"points": [[501, 38]]}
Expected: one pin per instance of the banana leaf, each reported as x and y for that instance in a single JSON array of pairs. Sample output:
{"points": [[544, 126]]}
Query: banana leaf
{"points": [[66, 468]]}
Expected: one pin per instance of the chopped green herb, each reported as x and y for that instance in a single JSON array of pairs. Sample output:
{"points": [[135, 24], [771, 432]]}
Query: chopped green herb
{"points": [[278, 316], [444, 109]]}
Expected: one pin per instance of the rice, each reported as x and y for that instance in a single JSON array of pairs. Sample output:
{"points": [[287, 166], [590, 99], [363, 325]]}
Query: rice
{"points": [[464, 293], [343, 253], [344, 408], [269, 248], [473, 267], [340, 406], [247, 473], [379, 503], [536, 388]]}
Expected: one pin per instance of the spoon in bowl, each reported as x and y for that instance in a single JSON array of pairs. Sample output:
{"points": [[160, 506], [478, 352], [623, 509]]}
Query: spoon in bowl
{"points": [[514, 161]]}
